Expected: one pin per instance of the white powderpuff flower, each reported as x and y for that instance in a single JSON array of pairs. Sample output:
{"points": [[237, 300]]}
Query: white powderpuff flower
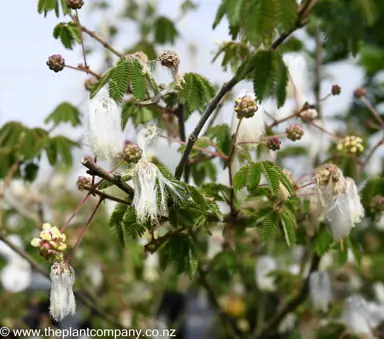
{"points": [[215, 243], [320, 289], [361, 317], [265, 265], [344, 211], [62, 301], [298, 74], [152, 188], [103, 127]]}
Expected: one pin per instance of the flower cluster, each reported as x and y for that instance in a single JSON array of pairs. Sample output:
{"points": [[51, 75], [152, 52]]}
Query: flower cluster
{"points": [[336, 90], [132, 153], [351, 145], [56, 63], [294, 132], [245, 106], [51, 243], [273, 143], [62, 300]]}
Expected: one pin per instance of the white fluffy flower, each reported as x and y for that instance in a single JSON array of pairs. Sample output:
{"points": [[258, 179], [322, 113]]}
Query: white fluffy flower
{"points": [[361, 317], [103, 127], [344, 211], [320, 289], [62, 301], [265, 265], [152, 188]]}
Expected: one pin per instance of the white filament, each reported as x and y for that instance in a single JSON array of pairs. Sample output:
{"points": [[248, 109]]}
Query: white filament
{"points": [[103, 127]]}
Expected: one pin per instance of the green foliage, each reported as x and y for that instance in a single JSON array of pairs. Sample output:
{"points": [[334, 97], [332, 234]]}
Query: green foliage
{"points": [[45, 6], [271, 175], [119, 80], [286, 14], [116, 220], [59, 146], [288, 222], [137, 80], [32, 143], [202, 171], [139, 115], [322, 242], [196, 91], [165, 31], [101, 83], [233, 53], [270, 76], [180, 252], [65, 112], [270, 226], [221, 135], [68, 33]]}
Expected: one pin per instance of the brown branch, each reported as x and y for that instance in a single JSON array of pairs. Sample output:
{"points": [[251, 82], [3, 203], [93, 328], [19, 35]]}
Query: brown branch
{"points": [[86, 70], [105, 195], [94, 169], [99, 39], [272, 325]]}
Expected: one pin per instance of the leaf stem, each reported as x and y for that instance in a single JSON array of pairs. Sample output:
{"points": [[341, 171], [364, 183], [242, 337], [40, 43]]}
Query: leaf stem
{"points": [[86, 70]]}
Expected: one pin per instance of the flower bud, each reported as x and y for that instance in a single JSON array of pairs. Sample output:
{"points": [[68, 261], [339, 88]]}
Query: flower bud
{"points": [[336, 90], [294, 132], [132, 153], [75, 4], [360, 92], [82, 182], [245, 106], [56, 63], [274, 143]]}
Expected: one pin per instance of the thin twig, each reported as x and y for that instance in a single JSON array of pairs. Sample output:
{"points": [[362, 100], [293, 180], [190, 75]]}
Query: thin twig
{"points": [[156, 98], [99, 39], [368, 158], [77, 21], [105, 195], [86, 70], [279, 121], [372, 109], [334, 136]]}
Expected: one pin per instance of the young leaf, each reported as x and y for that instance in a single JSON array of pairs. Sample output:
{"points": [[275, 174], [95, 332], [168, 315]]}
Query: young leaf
{"points": [[281, 80], [253, 176], [219, 15], [240, 178], [270, 226], [119, 80], [130, 224], [59, 145], [139, 115], [115, 222], [286, 15], [165, 31], [288, 221], [67, 32], [264, 74], [233, 9], [101, 83], [137, 80], [33, 142], [271, 175], [65, 112]]}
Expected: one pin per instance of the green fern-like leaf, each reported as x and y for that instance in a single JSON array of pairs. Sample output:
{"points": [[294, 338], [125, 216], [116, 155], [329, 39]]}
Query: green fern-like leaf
{"points": [[270, 226], [130, 224], [119, 80], [137, 80], [196, 91], [45, 6], [253, 176], [165, 30], [139, 115], [264, 74], [240, 178], [115, 222], [65, 112], [286, 14], [101, 83], [281, 80], [288, 222], [68, 34], [284, 180], [271, 175]]}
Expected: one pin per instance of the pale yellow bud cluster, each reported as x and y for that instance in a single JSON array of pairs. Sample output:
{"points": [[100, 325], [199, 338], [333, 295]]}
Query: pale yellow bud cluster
{"points": [[351, 144], [51, 243]]}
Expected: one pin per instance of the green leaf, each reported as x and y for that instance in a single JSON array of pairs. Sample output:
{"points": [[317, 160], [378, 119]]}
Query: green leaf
{"points": [[322, 242], [219, 15], [253, 176], [30, 171], [259, 216], [130, 224], [264, 74], [65, 112], [196, 91], [221, 134], [288, 221], [233, 10], [65, 8], [44, 6], [165, 30], [11, 134], [281, 80], [286, 15], [95, 88], [115, 222], [59, 146], [341, 254], [181, 253], [240, 178], [139, 115], [137, 80], [270, 226], [271, 175], [219, 192], [119, 80], [33, 142], [285, 181], [68, 33]]}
